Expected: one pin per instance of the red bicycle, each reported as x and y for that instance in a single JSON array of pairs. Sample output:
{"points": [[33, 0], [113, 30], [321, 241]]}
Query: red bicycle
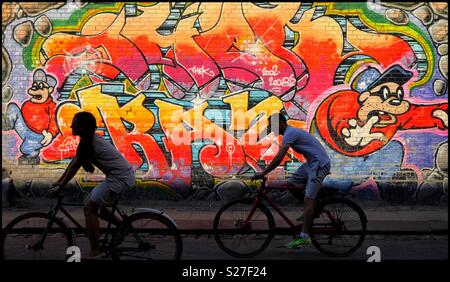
{"points": [[245, 227]]}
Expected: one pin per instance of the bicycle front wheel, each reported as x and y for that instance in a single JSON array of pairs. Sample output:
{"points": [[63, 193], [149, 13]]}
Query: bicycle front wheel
{"points": [[147, 236], [241, 238], [339, 228], [22, 238]]}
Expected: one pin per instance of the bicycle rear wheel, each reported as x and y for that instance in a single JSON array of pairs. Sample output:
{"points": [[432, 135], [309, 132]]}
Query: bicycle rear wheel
{"points": [[147, 236], [339, 228], [20, 239], [240, 239]]}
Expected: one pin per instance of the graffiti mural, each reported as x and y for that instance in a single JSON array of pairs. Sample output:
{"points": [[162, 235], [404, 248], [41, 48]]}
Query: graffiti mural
{"points": [[362, 120], [184, 90]]}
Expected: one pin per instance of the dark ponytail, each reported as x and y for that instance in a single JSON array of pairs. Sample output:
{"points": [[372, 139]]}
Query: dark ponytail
{"points": [[85, 149]]}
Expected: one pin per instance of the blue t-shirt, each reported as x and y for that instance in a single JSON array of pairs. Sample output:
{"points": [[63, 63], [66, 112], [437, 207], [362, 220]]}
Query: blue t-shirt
{"points": [[304, 143]]}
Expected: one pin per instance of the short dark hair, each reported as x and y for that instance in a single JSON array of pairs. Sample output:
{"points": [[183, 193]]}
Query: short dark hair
{"points": [[278, 117]]}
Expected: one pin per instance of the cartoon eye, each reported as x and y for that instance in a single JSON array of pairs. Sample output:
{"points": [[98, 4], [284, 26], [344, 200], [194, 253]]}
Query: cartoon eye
{"points": [[400, 93], [41, 85], [385, 93]]}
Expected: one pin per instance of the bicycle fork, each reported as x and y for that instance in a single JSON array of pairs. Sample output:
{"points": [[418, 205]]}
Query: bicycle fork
{"points": [[39, 245], [246, 223]]}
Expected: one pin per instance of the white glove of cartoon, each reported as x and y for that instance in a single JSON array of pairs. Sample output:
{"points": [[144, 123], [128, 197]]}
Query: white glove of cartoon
{"points": [[442, 115], [47, 138], [361, 136]]}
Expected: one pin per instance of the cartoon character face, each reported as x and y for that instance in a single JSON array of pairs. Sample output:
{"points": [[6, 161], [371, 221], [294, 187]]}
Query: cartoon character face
{"points": [[384, 101], [39, 91]]}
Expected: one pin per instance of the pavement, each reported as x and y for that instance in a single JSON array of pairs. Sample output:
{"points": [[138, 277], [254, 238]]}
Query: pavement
{"points": [[198, 216]]}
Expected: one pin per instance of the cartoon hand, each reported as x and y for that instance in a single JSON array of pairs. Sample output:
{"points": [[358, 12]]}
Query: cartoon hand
{"points": [[47, 138], [356, 135], [442, 115]]}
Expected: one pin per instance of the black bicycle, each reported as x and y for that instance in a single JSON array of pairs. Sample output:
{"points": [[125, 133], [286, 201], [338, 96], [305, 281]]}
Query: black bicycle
{"points": [[146, 234]]}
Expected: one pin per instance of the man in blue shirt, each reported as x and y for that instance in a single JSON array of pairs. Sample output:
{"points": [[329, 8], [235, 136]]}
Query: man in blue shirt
{"points": [[310, 175]]}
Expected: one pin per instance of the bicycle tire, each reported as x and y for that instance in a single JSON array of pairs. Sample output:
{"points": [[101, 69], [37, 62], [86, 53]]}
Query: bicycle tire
{"points": [[124, 240], [340, 226], [220, 234], [27, 253]]}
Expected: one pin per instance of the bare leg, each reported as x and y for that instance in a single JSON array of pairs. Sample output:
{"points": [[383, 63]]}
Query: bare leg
{"points": [[105, 214], [92, 226], [308, 213]]}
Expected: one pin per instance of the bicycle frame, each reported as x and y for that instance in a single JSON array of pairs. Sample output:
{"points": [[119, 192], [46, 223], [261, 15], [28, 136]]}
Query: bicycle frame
{"points": [[262, 193], [133, 234], [79, 229]]}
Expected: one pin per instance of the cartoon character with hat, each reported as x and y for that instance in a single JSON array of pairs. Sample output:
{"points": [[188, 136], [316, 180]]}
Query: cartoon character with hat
{"points": [[35, 122], [364, 119]]}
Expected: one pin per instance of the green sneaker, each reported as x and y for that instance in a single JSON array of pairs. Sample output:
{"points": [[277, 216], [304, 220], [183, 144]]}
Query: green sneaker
{"points": [[299, 242]]}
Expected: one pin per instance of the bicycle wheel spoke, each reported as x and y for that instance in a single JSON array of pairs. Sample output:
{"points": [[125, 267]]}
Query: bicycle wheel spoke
{"points": [[149, 237], [239, 237], [22, 235], [340, 228]]}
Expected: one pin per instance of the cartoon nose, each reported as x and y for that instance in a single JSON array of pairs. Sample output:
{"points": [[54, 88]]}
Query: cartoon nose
{"points": [[395, 102]]}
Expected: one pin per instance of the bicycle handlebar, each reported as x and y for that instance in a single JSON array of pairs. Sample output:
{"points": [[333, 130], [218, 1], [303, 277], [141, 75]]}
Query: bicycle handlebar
{"points": [[57, 193]]}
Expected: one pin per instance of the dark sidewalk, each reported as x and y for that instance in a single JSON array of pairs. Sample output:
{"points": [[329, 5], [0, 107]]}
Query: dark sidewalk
{"points": [[198, 216]]}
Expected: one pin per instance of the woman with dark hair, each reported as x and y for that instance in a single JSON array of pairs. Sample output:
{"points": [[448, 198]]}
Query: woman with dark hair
{"points": [[92, 151]]}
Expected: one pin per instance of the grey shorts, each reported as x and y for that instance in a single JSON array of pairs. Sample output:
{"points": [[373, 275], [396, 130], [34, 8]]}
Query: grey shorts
{"points": [[312, 175], [106, 192]]}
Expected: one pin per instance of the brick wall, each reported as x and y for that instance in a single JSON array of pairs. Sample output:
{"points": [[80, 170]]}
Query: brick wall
{"points": [[184, 91]]}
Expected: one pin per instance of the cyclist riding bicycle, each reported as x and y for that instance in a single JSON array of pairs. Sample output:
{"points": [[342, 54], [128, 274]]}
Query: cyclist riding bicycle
{"points": [[93, 150], [310, 175]]}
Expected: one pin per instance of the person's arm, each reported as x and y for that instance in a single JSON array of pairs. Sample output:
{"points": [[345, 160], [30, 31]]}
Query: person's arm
{"points": [[52, 125], [277, 159], [70, 172], [275, 162], [425, 116], [63, 175]]}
